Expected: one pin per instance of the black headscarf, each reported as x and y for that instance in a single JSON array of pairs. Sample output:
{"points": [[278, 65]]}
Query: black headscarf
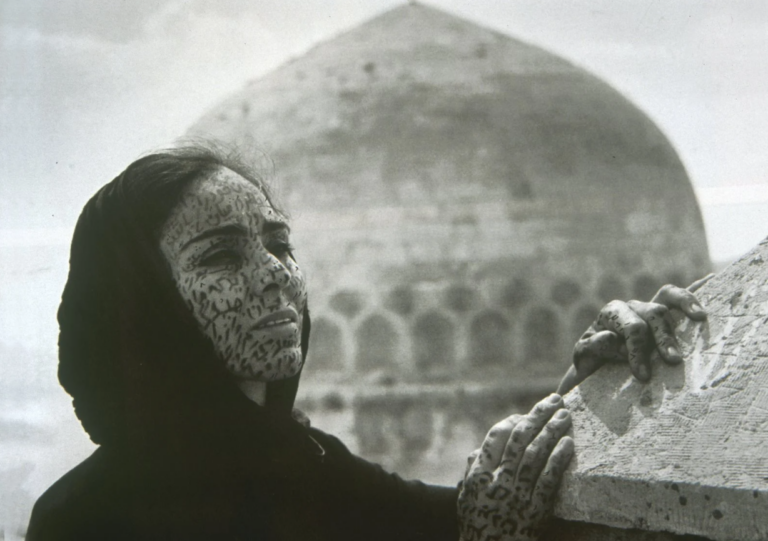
{"points": [[130, 352]]}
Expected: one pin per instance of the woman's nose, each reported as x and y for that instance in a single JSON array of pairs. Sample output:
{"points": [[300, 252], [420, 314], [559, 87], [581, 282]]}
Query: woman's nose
{"points": [[270, 275]]}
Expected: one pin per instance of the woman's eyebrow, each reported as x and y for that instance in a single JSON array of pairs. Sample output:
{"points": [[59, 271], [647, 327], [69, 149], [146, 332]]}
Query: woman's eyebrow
{"points": [[233, 230], [272, 226]]}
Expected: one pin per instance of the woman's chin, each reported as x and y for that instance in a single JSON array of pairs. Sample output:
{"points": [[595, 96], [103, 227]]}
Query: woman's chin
{"points": [[286, 365]]}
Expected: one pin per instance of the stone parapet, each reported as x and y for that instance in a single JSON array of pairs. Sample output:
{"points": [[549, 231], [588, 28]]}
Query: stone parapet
{"points": [[688, 452]]}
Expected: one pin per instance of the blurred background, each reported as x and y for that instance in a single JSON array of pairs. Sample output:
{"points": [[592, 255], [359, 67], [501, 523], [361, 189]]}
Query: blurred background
{"points": [[469, 182]]}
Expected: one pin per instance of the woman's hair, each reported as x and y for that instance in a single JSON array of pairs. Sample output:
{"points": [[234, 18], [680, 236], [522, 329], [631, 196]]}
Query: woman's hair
{"points": [[130, 352]]}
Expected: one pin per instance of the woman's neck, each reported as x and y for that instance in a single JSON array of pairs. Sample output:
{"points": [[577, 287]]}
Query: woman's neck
{"points": [[256, 391]]}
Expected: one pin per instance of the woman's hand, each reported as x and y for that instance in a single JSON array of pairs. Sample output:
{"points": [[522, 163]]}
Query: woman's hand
{"points": [[511, 481], [633, 332]]}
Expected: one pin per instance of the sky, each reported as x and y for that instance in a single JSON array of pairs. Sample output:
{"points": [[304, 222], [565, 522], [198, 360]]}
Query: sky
{"points": [[88, 85]]}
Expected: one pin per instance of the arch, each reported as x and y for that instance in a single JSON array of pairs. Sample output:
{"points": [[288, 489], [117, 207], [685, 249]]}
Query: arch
{"points": [[490, 339], [516, 293], [611, 288], [401, 300], [416, 429], [433, 342], [326, 349], [542, 336], [377, 343], [565, 292], [460, 298], [333, 402], [646, 287], [370, 420], [346, 302]]}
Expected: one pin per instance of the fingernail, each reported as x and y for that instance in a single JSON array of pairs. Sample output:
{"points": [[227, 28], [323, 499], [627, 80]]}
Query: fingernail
{"points": [[554, 398], [561, 414], [673, 354], [695, 306]]}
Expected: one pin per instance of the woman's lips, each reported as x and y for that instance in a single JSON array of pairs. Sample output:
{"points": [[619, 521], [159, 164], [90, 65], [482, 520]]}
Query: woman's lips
{"points": [[282, 317]]}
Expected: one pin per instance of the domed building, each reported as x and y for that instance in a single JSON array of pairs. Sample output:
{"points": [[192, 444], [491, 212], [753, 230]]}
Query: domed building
{"points": [[462, 203]]}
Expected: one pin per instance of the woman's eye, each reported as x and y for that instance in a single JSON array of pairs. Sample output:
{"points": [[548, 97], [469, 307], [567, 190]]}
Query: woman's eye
{"points": [[221, 258], [279, 248]]}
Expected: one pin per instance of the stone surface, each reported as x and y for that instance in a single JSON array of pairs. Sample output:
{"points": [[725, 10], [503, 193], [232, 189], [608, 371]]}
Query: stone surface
{"points": [[563, 530], [687, 452]]}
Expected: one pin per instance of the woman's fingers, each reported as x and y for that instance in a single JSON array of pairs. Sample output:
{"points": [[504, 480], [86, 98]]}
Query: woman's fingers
{"points": [[491, 451], [660, 323], [470, 461], [682, 299], [497, 504], [694, 287], [595, 349], [548, 482], [531, 437], [526, 431], [538, 452], [634, 331], [618, 317]]}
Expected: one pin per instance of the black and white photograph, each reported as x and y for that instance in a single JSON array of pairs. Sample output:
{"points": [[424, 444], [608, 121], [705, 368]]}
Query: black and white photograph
{"points": [[477, 270]]}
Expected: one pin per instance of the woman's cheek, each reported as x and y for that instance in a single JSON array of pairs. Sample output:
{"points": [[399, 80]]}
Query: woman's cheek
{"points": [[223, 295], [224, 334], [297, 286], [226, 301]]}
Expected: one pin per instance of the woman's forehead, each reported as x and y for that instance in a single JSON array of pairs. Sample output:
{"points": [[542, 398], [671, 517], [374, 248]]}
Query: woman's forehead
{"points": [[224, 185], [216, 199], [225, 191]]}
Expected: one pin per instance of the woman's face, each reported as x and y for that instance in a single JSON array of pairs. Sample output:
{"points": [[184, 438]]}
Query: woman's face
{"points": [[231, 259]]}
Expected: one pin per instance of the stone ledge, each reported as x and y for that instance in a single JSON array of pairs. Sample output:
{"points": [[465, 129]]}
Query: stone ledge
{"points": [[688, 452], [563, 530], [712, 512]]}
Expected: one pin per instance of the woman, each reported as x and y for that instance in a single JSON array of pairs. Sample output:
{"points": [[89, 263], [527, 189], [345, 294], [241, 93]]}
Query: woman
{"points": [[183, 332]]}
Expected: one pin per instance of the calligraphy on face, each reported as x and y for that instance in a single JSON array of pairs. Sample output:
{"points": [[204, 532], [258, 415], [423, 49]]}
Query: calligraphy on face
{"points": [[231, 258]]}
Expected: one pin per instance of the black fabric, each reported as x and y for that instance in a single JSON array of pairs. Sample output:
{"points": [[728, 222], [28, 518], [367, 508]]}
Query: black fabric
{"points": [[301, 485], [183, 453]]}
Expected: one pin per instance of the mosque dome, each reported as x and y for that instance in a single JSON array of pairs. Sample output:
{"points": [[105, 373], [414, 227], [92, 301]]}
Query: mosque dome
{"points": [[462, 202]]}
